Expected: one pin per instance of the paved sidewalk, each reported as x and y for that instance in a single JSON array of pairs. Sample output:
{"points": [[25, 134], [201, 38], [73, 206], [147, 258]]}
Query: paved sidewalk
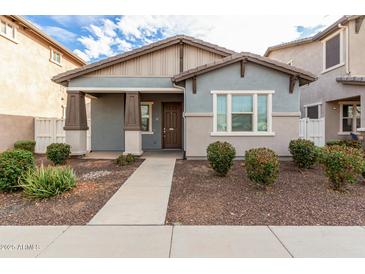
{"points": [[143, 198], [182, 241]]}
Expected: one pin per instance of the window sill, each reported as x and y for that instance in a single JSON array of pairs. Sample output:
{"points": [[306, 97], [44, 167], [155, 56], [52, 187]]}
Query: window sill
{"points": [[10, 39], [242, 134], [147, 132], [332, 68], [58, 64]]}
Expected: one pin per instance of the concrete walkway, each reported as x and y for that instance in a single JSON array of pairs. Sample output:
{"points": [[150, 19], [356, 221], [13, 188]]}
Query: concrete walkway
{"points": [[143, 198], [182, 241]]}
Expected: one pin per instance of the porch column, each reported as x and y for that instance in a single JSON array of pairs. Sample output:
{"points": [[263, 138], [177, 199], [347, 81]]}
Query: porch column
{"points": [[76, 122], [132, 124]]}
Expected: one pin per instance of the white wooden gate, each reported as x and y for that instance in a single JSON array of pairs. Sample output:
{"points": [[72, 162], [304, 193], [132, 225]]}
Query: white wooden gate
{"points": [[50, 130], [312, 129]]}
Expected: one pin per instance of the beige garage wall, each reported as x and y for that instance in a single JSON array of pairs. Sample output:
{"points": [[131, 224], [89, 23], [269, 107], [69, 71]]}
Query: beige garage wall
{"points": [[199, 128], [13, 128]]}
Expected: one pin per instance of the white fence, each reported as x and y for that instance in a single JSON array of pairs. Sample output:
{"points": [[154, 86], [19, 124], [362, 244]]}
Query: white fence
{"points": [[50, 130], [312, 129]]}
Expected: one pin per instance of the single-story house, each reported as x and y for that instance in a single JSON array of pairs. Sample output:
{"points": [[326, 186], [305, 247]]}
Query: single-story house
{"points": [[183, 93]]}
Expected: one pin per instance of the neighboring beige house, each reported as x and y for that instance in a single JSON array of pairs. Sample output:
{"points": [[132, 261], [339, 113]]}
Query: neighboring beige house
{"points": [[337, 56], [29, 58]]}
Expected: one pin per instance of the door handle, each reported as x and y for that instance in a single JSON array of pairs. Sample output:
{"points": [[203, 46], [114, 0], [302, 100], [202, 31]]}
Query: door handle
{"points": [[171, 128]]}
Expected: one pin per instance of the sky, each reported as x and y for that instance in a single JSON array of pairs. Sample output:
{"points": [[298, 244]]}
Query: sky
{"points": [[97, 37]]}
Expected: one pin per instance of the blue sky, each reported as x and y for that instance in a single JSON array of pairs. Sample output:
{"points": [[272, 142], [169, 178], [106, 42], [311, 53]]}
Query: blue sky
{"points": [[97, 37]]}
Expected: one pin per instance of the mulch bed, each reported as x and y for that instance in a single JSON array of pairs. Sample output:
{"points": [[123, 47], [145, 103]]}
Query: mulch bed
{"points": [[97, 181], [298, 197]]}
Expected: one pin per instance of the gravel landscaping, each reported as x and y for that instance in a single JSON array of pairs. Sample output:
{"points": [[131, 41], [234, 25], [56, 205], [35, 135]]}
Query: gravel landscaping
{"points": [[97, 181], [299, 197]]}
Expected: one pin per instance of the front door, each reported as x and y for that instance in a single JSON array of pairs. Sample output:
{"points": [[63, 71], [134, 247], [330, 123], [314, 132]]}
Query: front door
{"points": [[171, 129]]}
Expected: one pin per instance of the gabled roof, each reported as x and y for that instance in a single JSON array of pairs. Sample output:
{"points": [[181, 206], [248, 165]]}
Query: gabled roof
{"points": [[318, 36], [25, 23], [141, 51], [304, 76]]}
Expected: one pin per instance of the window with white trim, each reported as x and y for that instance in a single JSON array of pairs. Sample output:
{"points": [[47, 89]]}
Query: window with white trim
{"points": [[146, 117], [242, 112], [333, 51], [313, 111], [7, 29], [56, 56], [350, 117]]}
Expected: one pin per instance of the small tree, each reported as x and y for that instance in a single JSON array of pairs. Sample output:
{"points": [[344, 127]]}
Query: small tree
{"points": [[262, 166], [220, 156], [342, 164], [304, 152]]}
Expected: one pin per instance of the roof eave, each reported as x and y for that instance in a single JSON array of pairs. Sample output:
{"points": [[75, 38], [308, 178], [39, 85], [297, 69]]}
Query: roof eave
{"points": [[47, 38]]}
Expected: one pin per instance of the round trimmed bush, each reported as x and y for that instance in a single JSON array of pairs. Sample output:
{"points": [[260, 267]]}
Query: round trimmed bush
{"points": [[220, 156], [342, 164], [304, 152], [262, 166], [124, 160], [58, 153], [13, 165], [28, 145], [48, 181]]}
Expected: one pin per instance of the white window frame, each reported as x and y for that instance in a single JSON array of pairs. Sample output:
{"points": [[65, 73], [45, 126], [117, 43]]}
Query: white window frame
{"points": [[149, 104], [354, 128], [254, 94], [52, 53], [342, 59], [319, 105], [6, 35]]}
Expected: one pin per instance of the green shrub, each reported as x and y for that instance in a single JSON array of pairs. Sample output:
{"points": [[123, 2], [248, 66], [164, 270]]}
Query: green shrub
{"points": [[25, 145], [304, 152], [349, 143], [262, 166], [124, 160], [48, 181], [58, 153], [220, 156], [342, 164], [13, 165]]}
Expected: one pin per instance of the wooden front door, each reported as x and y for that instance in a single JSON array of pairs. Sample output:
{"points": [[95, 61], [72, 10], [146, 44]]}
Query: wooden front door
{"points": [[171, 128]]}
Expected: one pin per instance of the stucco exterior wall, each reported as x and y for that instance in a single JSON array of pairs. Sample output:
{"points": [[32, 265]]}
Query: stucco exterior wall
{"points": [[107, 122], [199, 106], [306, 56], [25, 86], [326, 90], [357, 50], [14, 128], [228, 78], [199, 128]]}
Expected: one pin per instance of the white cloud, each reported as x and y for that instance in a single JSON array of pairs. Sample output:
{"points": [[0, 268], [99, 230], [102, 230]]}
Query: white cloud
{"points": [[252, 33], [59, 33], [82, 55]]}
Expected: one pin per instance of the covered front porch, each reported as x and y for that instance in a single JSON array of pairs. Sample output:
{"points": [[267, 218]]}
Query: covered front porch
{"points": [[343, 117], [126, 118]]}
